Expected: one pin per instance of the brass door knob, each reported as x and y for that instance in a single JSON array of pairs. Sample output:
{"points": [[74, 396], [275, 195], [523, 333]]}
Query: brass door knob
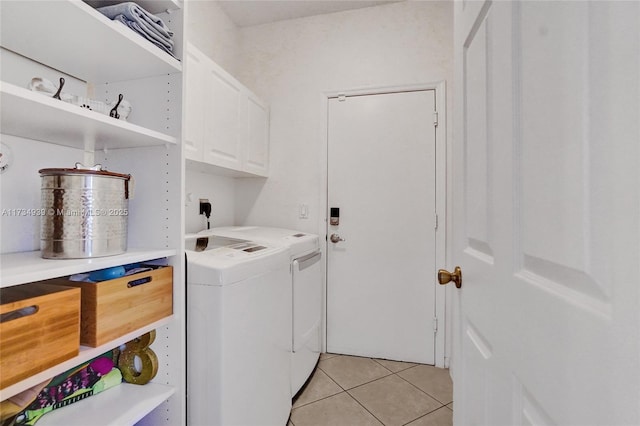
{"points": [[445, 276]]}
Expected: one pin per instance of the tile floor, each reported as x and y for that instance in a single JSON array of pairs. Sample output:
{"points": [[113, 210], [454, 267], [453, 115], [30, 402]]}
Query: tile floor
{"points": [[351, 391]]}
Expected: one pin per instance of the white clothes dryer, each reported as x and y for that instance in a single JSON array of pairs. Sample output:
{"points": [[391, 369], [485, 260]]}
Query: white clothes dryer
{"points": [[238, 339], [306, 290]]}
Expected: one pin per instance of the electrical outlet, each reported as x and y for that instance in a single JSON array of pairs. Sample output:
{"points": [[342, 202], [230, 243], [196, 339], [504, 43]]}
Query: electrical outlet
{"points": [[205, 206]]}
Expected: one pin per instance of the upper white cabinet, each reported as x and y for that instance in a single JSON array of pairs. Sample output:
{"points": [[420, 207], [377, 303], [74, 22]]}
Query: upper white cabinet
{"points": [[227, 126], [257, 128], [194, 107], [223, 119]]}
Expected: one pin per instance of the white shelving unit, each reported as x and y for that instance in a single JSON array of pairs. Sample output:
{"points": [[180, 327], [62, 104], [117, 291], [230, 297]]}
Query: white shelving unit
{"points": [[71, 37]]}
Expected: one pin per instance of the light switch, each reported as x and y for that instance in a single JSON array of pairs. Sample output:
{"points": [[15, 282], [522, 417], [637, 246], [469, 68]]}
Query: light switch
{"points": [[303, 211]]}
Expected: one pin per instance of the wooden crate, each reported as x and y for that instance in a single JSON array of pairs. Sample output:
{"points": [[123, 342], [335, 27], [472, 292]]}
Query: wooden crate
{"points": [[113, 308], [40, 327]]}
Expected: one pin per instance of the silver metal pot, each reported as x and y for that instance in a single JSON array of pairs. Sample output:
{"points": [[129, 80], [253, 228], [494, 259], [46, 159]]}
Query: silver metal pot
{"points": [[85, 212]]}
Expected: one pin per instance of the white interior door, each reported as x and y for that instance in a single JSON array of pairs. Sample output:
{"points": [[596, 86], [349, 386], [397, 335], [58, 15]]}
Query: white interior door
{"points": [[546, 213], [380, 279]]}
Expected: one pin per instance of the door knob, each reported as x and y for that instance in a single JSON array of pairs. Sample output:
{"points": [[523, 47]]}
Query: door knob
{"points": [[445, 276], [335, 238]]}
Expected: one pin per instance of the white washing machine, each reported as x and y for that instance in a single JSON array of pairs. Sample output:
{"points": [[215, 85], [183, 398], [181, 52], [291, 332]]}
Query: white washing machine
{"points": [[238, 338], [306, 285]]}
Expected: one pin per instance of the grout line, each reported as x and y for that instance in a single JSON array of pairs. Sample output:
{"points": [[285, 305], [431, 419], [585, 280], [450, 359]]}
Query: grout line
{"points": [[328, 396], [370, 381], [423, 391], [308, 381], [365, 408], [318, 400], [424, 415], [331, 378], [395, 372], [361, 384]]}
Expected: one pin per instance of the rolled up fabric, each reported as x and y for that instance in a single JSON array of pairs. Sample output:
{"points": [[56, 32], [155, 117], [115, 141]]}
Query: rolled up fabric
{"points": [[72, 386]]}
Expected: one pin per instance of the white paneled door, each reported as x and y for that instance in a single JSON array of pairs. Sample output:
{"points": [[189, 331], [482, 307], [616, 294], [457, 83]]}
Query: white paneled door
{"points": [[381, 261], [546, 228]]}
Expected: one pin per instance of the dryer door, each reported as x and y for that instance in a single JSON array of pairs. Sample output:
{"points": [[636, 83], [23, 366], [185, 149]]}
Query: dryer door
{"points": [[307, 314], [307, 302]]}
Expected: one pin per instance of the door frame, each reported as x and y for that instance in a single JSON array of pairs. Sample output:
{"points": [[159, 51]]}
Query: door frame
{"points": [[442, 308]]}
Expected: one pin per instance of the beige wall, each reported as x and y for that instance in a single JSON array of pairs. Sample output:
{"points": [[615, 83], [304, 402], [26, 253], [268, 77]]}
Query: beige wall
{"points": [[291, 63], [211, 30]]}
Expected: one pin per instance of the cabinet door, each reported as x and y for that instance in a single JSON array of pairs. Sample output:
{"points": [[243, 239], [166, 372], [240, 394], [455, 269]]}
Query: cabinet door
{"points": [[222, 135], [256, 159], [195, 86]]}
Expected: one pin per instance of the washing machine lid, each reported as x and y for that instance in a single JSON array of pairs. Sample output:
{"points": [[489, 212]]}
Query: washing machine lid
{"points": [[208, 241], [220, 266], [298, 242]]}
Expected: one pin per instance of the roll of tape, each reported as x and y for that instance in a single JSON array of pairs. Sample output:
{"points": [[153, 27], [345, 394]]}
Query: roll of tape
{"points": [[127, 365], [139, 349], [142, 342]]}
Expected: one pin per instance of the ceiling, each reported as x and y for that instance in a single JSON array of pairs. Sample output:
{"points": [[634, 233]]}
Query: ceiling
{"points": [[245, 13]]}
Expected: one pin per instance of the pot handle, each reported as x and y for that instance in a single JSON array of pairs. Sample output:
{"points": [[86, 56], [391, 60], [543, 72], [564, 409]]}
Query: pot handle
{"points": [[95, 168], [129, 186]]}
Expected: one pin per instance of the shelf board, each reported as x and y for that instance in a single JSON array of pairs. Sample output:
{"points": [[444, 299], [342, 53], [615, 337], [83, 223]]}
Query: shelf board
{"points": [[213, 169], [99, 50], [26, 267], [33, 115], [86, 353], [125, 404]]}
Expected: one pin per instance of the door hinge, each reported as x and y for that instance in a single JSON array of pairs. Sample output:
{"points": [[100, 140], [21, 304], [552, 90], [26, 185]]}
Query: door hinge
{"points": [[435, 325], [435, 118], [435, 226], [342, 97]]}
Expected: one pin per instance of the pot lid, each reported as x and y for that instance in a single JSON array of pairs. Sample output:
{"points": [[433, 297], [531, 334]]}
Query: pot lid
{"points": [[82, 170]]}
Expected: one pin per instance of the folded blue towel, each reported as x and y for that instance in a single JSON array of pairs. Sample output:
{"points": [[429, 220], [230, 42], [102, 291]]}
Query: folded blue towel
{"points": [[135, 13], [164, 44], [144, 23]]}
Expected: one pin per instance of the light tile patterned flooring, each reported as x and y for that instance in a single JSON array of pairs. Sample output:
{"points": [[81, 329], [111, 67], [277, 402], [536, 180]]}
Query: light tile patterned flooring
{"points": [[351, 391]]}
